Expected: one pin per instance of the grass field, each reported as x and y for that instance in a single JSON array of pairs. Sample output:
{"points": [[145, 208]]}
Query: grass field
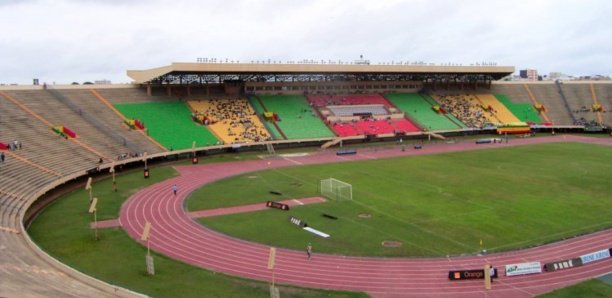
{"points": [[63, 231], [435, 205], [593, 288]]}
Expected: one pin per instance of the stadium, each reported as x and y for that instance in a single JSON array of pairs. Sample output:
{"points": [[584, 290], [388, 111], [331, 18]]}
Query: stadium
{"points": [[212, 179]]}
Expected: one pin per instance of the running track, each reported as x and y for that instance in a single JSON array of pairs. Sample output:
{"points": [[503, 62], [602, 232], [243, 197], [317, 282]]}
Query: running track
{"points": [[176, 235]]}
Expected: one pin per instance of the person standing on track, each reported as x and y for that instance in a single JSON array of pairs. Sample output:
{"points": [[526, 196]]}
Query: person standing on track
{"points": [[174, 189], [309, 250]]}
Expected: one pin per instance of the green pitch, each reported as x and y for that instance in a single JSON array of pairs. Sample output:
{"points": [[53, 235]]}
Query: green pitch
{"points": [[434, 205], [594, 288], [62, 230]]}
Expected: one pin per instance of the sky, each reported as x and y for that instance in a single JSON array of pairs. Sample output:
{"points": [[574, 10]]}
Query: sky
{"points": [[66, 41]]}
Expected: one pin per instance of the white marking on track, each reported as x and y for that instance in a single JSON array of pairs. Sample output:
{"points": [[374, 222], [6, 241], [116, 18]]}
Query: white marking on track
{"points": [[298, 202], [293, 161], [368, 156]]}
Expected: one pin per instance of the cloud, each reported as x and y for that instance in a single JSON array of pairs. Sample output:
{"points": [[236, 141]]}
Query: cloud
{"points": [[69, 40]]}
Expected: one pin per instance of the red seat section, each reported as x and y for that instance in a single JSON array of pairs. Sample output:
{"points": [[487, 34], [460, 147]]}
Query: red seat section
{"points": [[374, 127]]}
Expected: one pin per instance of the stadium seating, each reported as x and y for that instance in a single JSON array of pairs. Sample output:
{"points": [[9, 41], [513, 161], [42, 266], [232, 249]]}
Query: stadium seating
{"points": [[320, 101], [273, 130], [580, 102], [169, 123], [40, 145], [231, 120], [525, 112], [384, 121], [297, 119], [605, 99], [373, 127], [49, 107], [549, 96], [496, 109], [419, 109], [465, 108]]}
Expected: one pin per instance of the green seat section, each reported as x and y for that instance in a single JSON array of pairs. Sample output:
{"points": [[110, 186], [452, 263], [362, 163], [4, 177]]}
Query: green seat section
{"points": [[260, 110], [169, 123], [523, 111], [298, 120], [419, 109]]}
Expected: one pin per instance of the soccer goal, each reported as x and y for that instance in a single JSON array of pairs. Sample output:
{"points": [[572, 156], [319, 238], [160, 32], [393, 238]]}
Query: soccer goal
{"points": [[335, 189]]}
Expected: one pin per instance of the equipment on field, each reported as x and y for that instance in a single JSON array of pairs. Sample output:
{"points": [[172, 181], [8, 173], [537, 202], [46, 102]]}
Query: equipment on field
{"points": [[335, 189]]}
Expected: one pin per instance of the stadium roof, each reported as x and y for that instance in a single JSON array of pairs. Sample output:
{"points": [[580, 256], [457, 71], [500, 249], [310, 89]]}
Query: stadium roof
{"points": [[254, 71]]}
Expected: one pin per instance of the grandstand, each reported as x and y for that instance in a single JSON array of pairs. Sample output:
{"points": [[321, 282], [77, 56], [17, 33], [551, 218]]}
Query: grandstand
{"points": [[580, 101], [230, 120], [56, 109], [557, 108], [297, 119], [421, 110], [321, 101], [496, 109], [169, 123], [466, 108], [352, 115], [523, 111], [604, 96]]}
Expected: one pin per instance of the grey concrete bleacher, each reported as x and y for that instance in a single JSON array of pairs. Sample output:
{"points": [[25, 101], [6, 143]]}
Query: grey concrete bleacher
{"points": [[604, 96], [45, 104], [40, 144], [580, 100], [548, 95], [516, 92], [93, 107]]}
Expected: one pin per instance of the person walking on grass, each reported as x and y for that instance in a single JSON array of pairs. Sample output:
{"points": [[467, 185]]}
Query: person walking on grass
{"points": [[309, 250], [174, 189]]}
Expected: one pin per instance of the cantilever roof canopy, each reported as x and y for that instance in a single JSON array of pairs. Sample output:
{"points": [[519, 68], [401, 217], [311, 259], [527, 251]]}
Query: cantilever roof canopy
{"points": [[217, 72]]}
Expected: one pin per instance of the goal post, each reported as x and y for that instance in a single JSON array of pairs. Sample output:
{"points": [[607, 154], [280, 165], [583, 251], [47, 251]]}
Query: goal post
{"points": [[335, 189]]}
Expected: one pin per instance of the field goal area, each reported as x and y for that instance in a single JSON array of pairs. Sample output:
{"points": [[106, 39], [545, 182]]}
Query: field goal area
{"points": [[335, 189]]}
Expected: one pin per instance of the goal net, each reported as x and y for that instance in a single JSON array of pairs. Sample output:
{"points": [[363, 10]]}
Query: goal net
{"points": [[335, 189]]}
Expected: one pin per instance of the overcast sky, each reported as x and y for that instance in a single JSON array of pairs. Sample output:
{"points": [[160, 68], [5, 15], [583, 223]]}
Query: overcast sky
{"points": [[68, 40]]}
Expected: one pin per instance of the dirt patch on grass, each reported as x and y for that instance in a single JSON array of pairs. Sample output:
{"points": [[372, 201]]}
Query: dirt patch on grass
{"points": [[391, 243], [364, 215]]}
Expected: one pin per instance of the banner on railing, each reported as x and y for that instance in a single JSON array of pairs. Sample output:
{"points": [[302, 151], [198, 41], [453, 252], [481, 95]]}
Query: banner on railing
{"points": [[595, 256], [523, 268]]}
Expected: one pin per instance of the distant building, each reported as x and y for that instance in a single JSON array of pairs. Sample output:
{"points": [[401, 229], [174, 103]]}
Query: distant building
{"points": [[555, 75], [102, 82], [529, 74]]}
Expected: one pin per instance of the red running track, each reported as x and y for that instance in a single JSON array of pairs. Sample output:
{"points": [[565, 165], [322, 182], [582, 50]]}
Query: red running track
{"points": [[176, 235]]}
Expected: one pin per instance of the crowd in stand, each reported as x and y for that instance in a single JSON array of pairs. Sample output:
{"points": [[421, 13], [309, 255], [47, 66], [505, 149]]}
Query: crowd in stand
{"points": [[339, 100], [14, 145], [585, 122], [237, 115], [127, 155], [463, 109]]}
